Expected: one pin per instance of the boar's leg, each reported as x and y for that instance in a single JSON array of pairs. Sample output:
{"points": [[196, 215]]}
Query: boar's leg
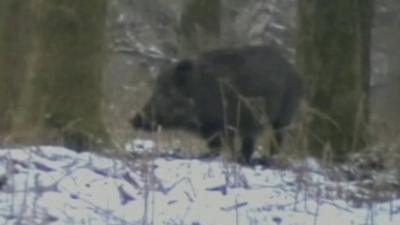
{"points": [[248, 143], [287, 111], [277, 143], [217, 140], [214, 144]]}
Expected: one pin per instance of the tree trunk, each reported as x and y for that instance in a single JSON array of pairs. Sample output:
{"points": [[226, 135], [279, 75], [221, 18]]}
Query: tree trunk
{"points": [[14, 45], [385, 92], [333, 55], [62, 102], [200, 25]]}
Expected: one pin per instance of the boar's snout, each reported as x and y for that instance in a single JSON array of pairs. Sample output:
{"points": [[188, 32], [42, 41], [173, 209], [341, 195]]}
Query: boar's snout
{"points": [[141, 122]]}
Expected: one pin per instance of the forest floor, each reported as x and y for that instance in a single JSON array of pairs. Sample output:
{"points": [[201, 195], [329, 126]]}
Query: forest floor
{"points": [[54, 185]]}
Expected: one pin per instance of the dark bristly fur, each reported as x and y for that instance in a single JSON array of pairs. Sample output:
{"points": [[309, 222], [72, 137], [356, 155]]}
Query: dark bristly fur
{"points": [[225, 93]]}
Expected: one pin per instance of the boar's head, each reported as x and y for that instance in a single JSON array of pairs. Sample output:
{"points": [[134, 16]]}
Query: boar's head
{"points": [[170, 105]]}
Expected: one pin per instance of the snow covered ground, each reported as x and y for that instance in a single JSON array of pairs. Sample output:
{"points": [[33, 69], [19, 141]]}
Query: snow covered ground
{"points": [[53, 185]]}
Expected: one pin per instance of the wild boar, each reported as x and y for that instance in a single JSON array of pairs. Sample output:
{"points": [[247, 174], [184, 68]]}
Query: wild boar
{"points": [[224, 94]]}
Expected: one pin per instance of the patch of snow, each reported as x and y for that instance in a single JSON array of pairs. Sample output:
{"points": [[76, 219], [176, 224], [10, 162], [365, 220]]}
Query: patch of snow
{"points": [[140, 146], [53, 185]]}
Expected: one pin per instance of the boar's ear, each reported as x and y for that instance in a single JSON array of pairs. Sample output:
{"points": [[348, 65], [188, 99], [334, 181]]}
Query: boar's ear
{"points": [[182, 71]]}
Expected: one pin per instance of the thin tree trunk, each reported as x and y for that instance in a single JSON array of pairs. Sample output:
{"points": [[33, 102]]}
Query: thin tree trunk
{"points": [[333, 55], [62, 101], [15, 43]]}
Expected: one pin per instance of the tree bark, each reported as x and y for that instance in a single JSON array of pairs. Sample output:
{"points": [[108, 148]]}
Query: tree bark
{"points": [[14, 46], [333, 54], [61, 103]]}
